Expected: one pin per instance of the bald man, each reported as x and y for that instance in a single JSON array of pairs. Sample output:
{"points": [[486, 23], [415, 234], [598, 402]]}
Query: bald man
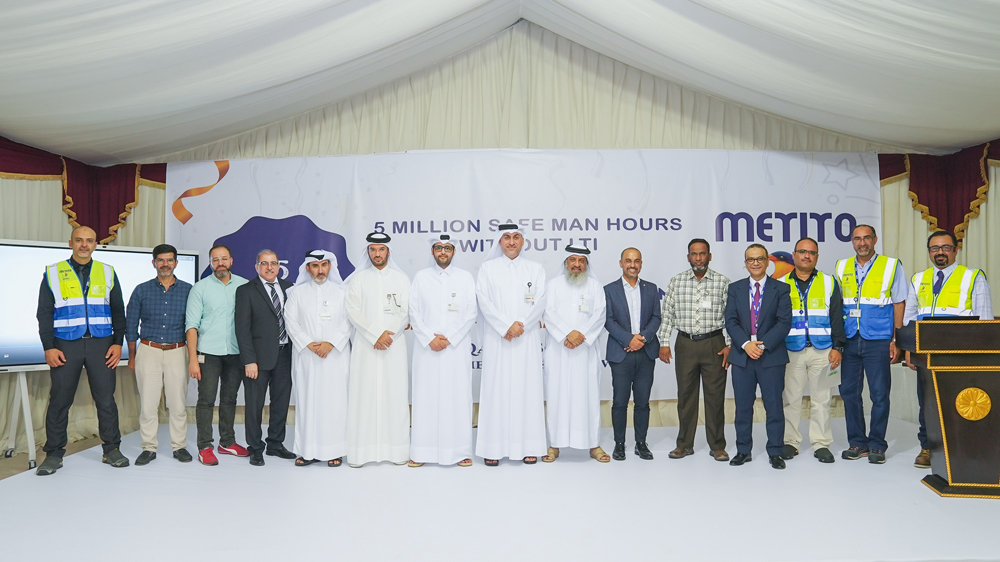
{"points": [[81, 322]]}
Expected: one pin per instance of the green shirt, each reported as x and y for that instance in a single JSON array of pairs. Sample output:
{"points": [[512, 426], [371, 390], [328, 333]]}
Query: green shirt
{"points": [[211, 309]]}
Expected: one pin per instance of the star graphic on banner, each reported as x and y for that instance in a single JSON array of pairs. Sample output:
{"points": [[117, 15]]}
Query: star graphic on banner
{"points": [[839, 174]]}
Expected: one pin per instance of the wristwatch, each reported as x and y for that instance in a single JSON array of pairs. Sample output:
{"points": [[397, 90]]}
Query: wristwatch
{"points": [[838, 348], [761, 346], [642, 338]]}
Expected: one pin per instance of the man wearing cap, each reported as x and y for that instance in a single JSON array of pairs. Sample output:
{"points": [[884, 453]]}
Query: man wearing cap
{"points": [[316, 318], [512, 296], [947, 290], [378, 296], [574, 320], [266, 353], [442, 313]]}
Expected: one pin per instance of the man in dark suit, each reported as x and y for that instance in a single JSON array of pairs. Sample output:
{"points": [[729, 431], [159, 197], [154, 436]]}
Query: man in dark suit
{"points": [[632, 320], [758, 317], [266, 353]]}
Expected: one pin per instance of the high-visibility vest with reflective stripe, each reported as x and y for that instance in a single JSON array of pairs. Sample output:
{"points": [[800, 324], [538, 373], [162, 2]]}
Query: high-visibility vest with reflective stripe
{"points": [[74, 311], [875, 301], [955, 298], [814, 314]]}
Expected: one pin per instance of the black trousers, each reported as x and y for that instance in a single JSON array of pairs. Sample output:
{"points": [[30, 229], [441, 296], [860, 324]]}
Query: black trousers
{"points": [[79, 353], [279, 381], [228, 370], [632, 376]]}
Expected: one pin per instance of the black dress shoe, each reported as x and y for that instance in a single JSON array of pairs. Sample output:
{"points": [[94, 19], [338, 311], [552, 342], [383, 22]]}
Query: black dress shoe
{"points": [[777, 462], [643, 451], [145, 458], [256, 458], [619, 453], [788, 452], [824, 455], [183, 455], [280, 452], [740, 458]]}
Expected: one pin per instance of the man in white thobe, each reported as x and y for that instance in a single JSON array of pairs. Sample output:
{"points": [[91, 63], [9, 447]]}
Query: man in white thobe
{"points": [[511, 291], [442, 313], [574, 319], [378, 408], [316, 320]]}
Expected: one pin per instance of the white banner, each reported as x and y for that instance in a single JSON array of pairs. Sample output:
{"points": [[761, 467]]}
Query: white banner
{"points": [[607, 200]]}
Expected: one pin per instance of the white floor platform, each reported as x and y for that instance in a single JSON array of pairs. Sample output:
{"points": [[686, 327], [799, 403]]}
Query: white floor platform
{"points": [[573, 509]]}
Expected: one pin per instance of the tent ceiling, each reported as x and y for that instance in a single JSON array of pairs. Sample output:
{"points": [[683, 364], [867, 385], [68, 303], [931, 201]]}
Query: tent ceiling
{"points": [[108, 81]]}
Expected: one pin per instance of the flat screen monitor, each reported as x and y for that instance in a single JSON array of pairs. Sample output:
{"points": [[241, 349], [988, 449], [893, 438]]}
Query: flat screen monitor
{"points": [[24, 264]]}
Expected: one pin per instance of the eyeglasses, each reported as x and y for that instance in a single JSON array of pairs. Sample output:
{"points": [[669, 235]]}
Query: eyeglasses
{"points": [[439, 248], [755, 260], [936, 249], [268, 264], [807, 253]]}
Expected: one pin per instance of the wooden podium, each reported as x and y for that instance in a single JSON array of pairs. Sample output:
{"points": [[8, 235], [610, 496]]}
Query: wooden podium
{"points": [[959, 366]]}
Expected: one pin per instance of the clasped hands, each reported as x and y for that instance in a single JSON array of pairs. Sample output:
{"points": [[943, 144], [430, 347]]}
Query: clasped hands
{"points": [[321, 348], [516, 330], [384, 341], [574, 339]]}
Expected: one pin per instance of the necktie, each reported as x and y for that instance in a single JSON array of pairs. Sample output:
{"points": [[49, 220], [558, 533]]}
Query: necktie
{"points": [[939, 282], [276, 303], [755, 309]]}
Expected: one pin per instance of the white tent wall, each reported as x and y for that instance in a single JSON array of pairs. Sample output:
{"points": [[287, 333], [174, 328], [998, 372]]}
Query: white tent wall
{"points": [[525, 87]]}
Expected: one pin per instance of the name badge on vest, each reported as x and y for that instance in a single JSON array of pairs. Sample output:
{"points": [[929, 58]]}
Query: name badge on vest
{"points": [[800, 324], [814, 303], [98, 290], [854, 313]]}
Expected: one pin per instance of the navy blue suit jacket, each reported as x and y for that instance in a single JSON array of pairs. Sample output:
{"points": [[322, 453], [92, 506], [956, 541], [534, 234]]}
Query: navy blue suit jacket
{"points": [[775, 321], [619, 323]]}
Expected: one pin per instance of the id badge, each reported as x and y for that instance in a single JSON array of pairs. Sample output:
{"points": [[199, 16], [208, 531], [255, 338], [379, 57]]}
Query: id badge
{"points": [[706, 303], [452, 307], [800, 324], [854, 313], [326, 316], [585, 308], [529, 298], [389, 310]]}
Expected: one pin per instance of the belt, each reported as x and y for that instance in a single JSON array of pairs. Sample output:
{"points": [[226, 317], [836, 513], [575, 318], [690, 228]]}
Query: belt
{"points": [[163, 346], [698, 337]]}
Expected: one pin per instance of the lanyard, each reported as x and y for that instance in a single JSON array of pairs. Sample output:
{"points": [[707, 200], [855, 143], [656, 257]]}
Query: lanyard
{"points": [[755, 307], [804, 296], [861, 278]]}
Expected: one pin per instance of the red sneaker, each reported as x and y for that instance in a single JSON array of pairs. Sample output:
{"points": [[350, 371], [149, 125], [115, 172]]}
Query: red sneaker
{"points": [[207, 457], [234, 449]]}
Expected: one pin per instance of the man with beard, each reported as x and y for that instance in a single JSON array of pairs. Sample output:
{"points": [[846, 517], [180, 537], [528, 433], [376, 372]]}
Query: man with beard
{"points": [[633, 318], [316, 318], [815, 344], [947, 290], [211, 334], [378, 296], [874, 289], [574, 320], [511, 291], [442, 314], [155, 317], [694, 304]]}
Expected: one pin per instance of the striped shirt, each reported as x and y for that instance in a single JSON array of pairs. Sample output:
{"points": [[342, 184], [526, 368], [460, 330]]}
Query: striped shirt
{"points": [[693, 306]]}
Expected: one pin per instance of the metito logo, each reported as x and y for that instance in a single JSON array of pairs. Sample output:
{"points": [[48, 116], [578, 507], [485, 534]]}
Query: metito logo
{"points": [[290, 238], [788, 226]]}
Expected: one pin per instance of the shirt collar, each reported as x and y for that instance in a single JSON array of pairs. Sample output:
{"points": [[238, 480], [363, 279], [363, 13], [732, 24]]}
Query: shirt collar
{"points": [[265, 281], [628, 286], [762, 281], [947, 271]]}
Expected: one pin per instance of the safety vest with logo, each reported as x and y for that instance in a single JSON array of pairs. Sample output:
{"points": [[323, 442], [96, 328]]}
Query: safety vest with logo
{"points": [[80, 307], [955, 298], [814, 314], [875, 301]]}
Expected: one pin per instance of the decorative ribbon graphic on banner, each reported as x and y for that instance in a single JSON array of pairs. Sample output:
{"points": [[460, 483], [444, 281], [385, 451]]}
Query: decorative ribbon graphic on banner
{"points": [[178, 208]]}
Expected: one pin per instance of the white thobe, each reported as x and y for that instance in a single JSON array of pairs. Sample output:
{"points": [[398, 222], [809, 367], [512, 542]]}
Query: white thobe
{"points": [[317, 313], [442, 301], [573, 376], [378, 403], [511, 401]]}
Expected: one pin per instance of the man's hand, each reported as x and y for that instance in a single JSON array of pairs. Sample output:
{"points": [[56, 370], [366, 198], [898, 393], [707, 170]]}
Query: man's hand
{"points": [[384, 341], [251, 370], [909, 363], [320, 348], [54, 358], [131, 363], [636, 343], [575, 338], [194, 369], [752, 350], [439, 342], [836, 358], [114, 355], [893, 352], [725, 357], [516, 330], [665, 354]]}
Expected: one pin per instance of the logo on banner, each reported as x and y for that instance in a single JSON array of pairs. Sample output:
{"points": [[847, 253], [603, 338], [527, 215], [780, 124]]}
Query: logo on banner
{"points": [[290, 238], [782, 262]]}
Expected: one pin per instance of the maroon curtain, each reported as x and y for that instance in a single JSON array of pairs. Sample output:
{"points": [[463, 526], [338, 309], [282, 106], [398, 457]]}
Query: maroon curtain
{"points": [[100, 198]]}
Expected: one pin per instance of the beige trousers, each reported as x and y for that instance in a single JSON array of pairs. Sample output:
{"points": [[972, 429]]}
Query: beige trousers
{"points": [[808, 364], [161, 373]]}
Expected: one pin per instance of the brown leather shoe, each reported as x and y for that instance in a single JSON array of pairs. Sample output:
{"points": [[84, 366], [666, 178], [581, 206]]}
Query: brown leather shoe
{"points": [[680, 453], [720, 455], [923, 460]]}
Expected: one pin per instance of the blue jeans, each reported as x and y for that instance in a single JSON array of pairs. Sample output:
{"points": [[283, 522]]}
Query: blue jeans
{"points": [[866, 358]]}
